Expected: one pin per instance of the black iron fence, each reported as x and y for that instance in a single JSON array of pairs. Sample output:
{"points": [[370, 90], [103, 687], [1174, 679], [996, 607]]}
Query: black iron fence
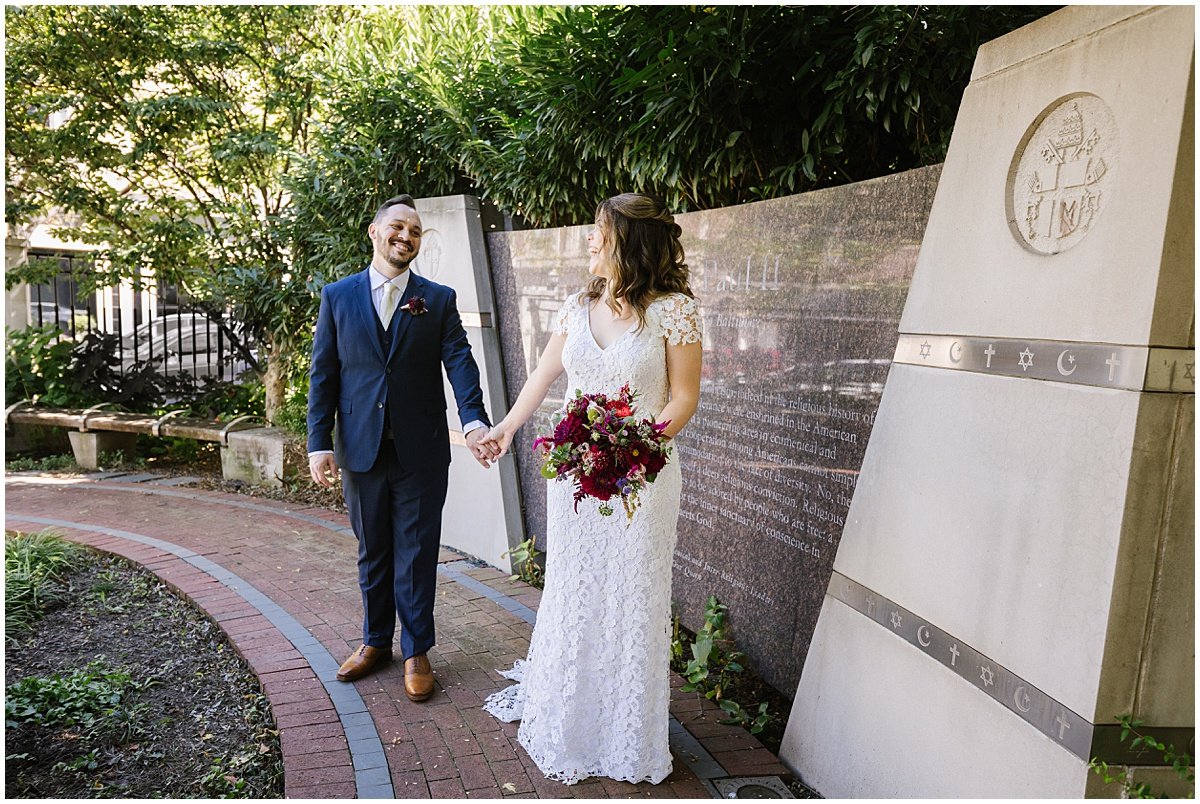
{"points": [[161, 328]]}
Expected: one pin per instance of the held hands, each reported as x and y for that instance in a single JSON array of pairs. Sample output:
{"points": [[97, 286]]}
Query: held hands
{"points": [[484, 451], [498, 440], [323, 468]]}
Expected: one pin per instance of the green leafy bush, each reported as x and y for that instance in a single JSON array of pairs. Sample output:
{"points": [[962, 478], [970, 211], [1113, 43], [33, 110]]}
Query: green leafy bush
{"points": [[754, 723], [715, 667], [37, 363], [713, 660], [49, 368], [47, 463], [526, 557]]}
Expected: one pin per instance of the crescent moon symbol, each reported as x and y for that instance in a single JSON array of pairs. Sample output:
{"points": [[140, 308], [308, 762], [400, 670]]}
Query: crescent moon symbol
{"points": [[954, 359], [1062, 370], [1021, 699], [923, 636]]}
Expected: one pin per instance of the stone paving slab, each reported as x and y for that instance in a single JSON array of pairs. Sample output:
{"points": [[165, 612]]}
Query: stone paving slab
{"points": [[281, 581]]}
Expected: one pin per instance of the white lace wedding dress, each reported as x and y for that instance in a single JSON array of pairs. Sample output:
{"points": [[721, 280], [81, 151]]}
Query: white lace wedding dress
{"points": [[594, 690]]}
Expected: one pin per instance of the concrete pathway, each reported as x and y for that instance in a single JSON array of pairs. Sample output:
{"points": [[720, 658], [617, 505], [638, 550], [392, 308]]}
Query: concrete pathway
{"points": [[281, 581]]}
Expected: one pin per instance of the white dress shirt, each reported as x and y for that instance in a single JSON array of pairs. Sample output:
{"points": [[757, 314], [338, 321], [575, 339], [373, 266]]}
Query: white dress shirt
{"points": [[378, 280]]}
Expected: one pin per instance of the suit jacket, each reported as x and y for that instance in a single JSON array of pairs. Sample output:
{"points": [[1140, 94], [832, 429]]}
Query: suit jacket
{"points": [[352, 379]]}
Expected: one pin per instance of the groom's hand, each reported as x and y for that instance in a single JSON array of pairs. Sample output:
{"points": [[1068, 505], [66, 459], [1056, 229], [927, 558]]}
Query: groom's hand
{"points": [[497, 440], [323, 468], [482, 452]]}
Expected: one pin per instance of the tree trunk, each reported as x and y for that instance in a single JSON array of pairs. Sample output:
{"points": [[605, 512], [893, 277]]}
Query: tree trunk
{"points": [[275, 378]]}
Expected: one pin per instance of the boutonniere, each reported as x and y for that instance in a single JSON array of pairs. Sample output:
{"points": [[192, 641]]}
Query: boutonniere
{"points": [[415, 305]]}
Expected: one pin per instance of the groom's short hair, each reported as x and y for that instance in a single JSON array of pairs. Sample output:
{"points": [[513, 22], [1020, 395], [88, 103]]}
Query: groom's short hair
{"points": [[404, 199]]}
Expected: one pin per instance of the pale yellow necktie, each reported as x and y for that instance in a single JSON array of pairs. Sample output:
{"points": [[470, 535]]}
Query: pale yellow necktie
{"points": [[391, 294]]}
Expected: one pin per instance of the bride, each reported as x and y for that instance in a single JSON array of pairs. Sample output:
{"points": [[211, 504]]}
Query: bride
{"points": [[593, 693]]}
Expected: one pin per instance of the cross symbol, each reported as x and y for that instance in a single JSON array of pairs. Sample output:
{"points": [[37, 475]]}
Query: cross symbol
{"points": [[989, 352], [953, 654], [1063, 725], [871, 606], [1112, 363]]}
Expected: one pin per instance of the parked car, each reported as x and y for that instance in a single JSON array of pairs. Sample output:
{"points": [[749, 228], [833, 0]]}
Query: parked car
{"points": [[183, 342], [859, 379], [48, 313]]}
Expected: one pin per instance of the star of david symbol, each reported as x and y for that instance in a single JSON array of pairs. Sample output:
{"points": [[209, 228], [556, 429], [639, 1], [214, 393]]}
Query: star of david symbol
{"points": [[925, 350], [987, 675], [1026, 359], [1189, 371], [896, 619]]}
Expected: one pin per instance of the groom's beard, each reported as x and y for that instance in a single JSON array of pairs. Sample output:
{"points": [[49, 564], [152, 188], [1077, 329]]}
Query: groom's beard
{"points": [[400, 263]]}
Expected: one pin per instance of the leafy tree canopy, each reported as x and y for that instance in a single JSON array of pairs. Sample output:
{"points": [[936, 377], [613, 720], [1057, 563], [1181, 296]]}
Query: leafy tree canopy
{"points": [[240, 150], [163, 132]]}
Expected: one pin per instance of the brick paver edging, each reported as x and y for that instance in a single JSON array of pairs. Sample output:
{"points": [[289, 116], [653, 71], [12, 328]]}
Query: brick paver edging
{"points": [[286, 658]]}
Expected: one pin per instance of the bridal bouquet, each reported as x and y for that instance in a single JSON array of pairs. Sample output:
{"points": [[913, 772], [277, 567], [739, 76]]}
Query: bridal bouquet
{"points": [[605, 449]]}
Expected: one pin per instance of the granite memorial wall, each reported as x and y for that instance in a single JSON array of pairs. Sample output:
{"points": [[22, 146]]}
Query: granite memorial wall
{"points": [[800, 299]]}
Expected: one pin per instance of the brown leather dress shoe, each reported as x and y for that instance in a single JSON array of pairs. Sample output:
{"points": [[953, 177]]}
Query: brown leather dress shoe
{"points": [[418, 678], [362, 662]]}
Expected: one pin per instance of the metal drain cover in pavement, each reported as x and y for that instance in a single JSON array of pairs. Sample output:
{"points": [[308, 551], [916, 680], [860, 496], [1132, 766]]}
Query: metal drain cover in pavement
{"points": [[752, 787]]}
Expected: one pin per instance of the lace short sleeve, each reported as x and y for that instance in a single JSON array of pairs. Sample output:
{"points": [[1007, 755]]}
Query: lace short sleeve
{"points": [[564, 314], [680, 319]]}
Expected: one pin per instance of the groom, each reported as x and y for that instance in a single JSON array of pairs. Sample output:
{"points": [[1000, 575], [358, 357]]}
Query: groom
{"points": [[382, 338]]}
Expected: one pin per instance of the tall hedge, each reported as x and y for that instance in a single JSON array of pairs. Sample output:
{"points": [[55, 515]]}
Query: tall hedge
{"points": [[545, 110]]}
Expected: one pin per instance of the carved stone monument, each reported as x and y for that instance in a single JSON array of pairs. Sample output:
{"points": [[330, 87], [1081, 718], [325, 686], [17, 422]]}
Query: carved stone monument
{"points": [[482, 516], [800, 299], [1017, 567]]}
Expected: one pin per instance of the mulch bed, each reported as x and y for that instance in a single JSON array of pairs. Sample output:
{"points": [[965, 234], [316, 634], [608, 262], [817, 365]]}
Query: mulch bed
{"points": [[201, 728]]}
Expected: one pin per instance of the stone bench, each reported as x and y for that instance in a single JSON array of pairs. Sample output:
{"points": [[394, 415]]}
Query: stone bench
{"points": [[249, 452]]}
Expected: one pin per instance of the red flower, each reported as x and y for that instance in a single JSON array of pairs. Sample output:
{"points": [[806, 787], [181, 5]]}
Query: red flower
{"points": [[655, 463], [620, 408], [571, 430], [415, 306]]}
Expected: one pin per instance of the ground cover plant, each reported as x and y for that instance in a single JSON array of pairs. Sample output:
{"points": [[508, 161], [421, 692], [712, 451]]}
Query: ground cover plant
{"points": [[121, 689]]}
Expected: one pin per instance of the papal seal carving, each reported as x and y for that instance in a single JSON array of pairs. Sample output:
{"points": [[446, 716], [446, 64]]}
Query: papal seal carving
{"points": [[1063, 174]]}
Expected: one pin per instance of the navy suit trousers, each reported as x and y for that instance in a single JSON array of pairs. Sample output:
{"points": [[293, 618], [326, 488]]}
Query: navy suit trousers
{"points": [[397, 517]]}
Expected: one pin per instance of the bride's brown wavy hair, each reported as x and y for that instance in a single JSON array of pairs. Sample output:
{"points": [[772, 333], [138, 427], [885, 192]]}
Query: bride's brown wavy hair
{"points": [[641, 245]]}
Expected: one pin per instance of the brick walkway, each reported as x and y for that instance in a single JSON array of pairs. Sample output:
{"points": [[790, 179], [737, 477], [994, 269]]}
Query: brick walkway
{"points": [[281, 581]]}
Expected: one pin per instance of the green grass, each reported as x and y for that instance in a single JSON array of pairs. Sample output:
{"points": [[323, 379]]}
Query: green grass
{"points": [[35, 567]]}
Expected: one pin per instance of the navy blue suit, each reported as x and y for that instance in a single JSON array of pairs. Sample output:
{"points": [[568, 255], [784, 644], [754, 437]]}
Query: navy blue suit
{"points": [[395, 488]]}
